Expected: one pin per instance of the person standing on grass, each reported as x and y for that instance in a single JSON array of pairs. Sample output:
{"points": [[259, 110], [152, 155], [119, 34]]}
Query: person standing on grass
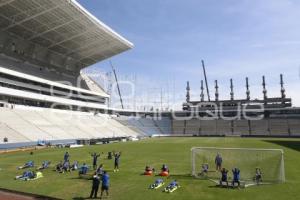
{"points": [[66, 156], [105, 184], [95, 186], [236, 176], [95, 158], [117, 161], [218, 162], [224, 177]]}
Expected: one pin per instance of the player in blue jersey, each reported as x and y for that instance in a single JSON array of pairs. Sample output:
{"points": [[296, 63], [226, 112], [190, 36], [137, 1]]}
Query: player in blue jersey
{"points": [[236, 176], [105, 183]]}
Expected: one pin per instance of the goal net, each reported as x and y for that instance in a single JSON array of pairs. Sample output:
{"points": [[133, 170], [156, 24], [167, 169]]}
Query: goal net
{"points": [[269, 161]]}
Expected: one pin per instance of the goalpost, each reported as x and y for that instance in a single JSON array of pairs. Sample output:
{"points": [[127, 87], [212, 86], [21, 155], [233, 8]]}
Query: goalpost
{"points": [[270, 161]]}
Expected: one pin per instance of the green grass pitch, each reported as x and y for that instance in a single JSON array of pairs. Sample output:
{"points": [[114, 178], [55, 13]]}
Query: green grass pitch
{"points": [[129, 184]]}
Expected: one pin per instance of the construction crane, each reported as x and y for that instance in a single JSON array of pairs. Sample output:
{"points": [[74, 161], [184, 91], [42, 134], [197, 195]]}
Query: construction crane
{"points": [[203, 66], [119, 91]]}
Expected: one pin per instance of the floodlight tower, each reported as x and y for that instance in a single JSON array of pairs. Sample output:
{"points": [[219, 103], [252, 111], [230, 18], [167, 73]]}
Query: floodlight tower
{"points": [[264, 88], [202, 92], [247, 89], [282, 90], [187, 92], [216, 92], [231, 90]]}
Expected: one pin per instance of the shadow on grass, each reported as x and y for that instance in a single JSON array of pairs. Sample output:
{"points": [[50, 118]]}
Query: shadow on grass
{"points": [[82, 178], [181, 176], [294, 145], [82, 198]]}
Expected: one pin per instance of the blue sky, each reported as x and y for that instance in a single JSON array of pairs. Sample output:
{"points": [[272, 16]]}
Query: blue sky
{"points": [[236, 38]]}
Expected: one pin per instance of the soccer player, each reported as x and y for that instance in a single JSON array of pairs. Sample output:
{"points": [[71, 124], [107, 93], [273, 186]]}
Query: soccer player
{"points": [[105, 184], [59, 166], [218, 162], [258, 175], [224, 173], [100, 170], [74, 166], [204, 169], [236, 177], [157, 183], [27, 175], [66, 156], [165, 168], [45, 165], [117, 161], [83, 169], [148, 169], [172, 185], [27, 165], [109, 155], [95, 186], [95, 158], [66, 167]]}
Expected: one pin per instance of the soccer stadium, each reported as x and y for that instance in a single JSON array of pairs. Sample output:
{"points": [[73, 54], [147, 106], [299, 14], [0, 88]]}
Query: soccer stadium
{"points": [[61, 137]]}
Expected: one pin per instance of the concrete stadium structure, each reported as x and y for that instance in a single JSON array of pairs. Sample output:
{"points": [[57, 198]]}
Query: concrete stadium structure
{"points": [[44, 44]]}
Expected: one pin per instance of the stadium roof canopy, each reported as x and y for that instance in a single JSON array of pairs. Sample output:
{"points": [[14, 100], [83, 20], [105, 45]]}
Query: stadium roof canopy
{"points": [[63, 27]]}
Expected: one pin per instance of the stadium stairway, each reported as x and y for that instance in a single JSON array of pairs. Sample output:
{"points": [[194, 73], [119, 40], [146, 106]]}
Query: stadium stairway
{"points": [[12, 135]]}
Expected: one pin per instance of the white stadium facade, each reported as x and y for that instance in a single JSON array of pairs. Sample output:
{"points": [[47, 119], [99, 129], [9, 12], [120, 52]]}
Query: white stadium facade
{"points": [[44, 45]]}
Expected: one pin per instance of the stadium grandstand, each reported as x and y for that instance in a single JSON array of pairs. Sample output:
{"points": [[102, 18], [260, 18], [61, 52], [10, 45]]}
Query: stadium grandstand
{"points": [[44, 45]]}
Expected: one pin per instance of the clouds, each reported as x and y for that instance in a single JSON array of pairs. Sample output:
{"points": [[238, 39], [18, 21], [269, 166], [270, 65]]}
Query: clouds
{"points": [[236, 38]]}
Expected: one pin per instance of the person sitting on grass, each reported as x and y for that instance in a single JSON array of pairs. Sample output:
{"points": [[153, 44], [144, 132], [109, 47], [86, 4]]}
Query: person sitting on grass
{"points": [[172, 185], [83, 169], [165, 168], [44, 165], [224, 173], [27, 165], [149, 169], [236, 177], [59, 167], [204, 169], [66, 167], [258, 175], [100, 170], [26, 175], [74, 166]]}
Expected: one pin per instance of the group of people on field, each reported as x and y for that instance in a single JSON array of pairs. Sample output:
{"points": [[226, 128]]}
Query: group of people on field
{"points": [[99, 174], [224, 172]]}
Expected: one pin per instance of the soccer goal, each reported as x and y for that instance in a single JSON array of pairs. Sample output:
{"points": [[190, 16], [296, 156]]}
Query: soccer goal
{"points": [[247, 160]]}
